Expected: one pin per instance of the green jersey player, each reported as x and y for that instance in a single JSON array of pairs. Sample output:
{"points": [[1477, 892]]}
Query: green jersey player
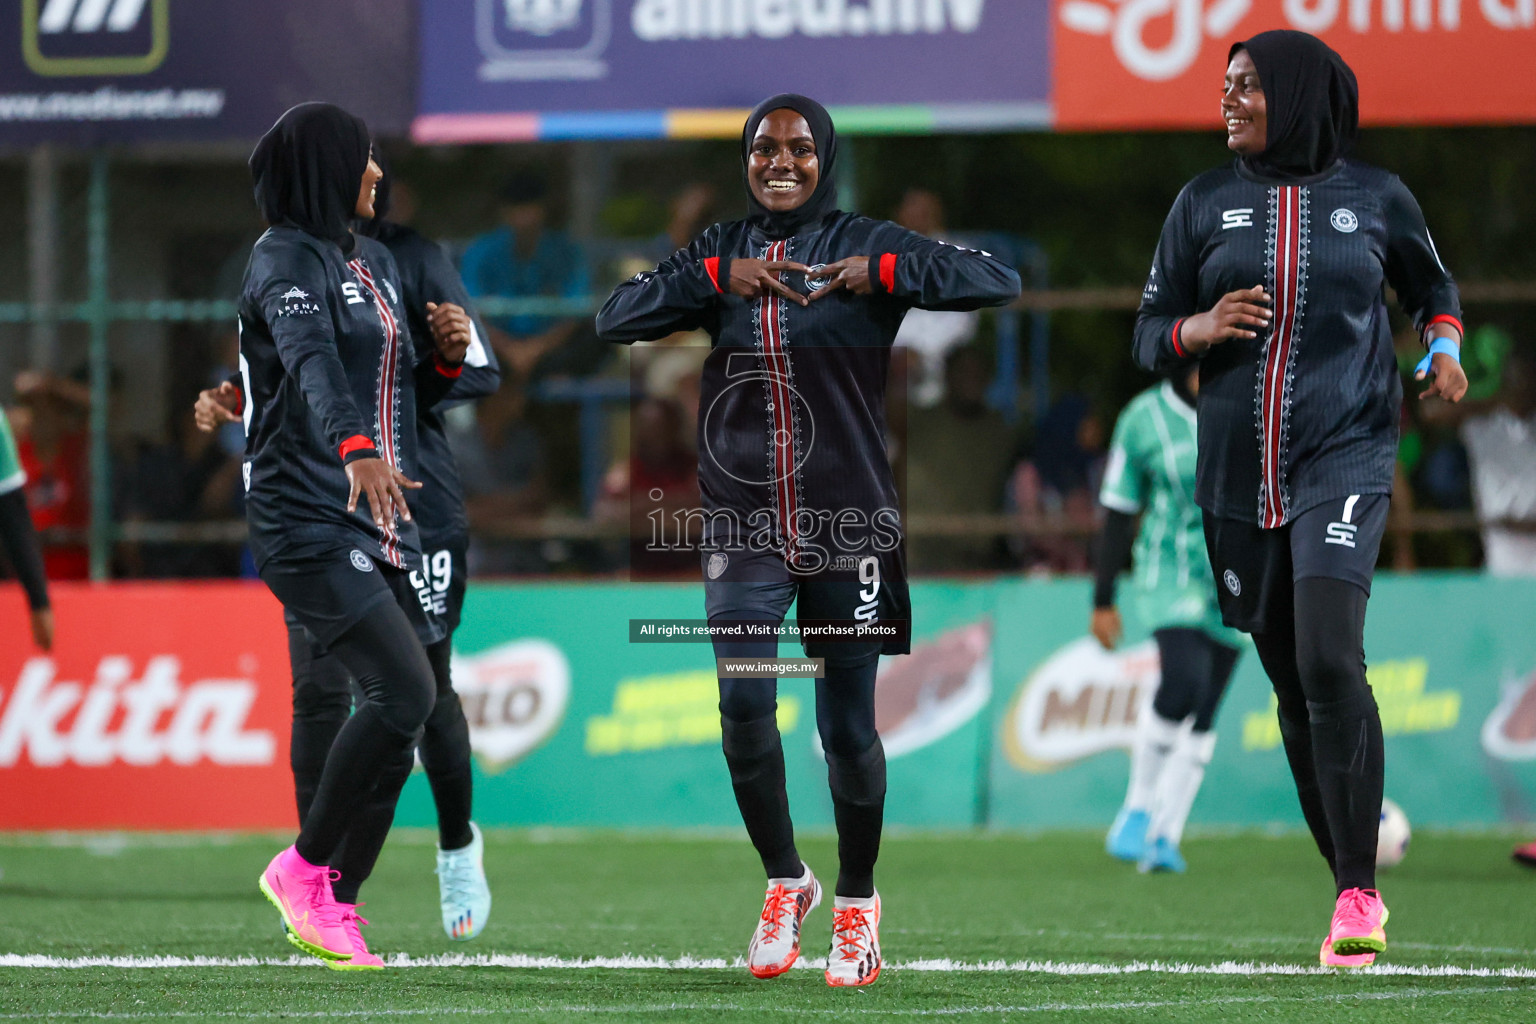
{"points": [[1151, 475], [19, 540]]}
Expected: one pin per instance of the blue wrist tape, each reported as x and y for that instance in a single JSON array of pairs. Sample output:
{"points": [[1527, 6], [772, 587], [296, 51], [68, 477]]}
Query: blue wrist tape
{"points": [[1445, 345]]}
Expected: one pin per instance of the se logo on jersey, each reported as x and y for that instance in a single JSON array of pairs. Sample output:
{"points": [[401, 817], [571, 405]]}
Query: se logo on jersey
{"points": [[1240, 218]]}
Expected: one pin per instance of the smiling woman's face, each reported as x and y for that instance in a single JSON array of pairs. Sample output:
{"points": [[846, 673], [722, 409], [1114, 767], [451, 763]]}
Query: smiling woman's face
{"points": [[783, 168], [1242, 107]]}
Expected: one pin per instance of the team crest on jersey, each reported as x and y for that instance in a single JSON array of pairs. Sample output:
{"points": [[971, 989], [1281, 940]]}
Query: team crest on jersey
{"points": [[1344, 220], [393, 298], [815, 278], [1233, 583], [717, 564], [361, 562]]}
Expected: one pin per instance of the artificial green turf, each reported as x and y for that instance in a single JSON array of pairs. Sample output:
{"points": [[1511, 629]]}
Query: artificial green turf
{"points": [[1456, 901]]}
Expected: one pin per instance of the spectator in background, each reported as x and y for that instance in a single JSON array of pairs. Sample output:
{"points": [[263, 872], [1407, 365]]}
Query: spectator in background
{"points": [[958, 457], [927, 336], [502, 465], [188, 479], [654, 490], [54, 446], [1500, 437], [1057, 487], [526, 258]]}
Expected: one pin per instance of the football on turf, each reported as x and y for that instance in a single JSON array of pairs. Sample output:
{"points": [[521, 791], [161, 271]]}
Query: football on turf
{"points": [[1393, 835]]}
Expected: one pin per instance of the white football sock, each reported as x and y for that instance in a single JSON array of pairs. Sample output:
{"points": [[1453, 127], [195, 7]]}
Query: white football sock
{"points": [[1180, 782], [1156, 737]]}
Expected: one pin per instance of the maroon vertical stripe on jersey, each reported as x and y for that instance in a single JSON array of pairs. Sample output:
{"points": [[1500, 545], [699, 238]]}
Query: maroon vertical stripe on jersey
{"points": [[385, 408], [1278, 353], [781, 421]]}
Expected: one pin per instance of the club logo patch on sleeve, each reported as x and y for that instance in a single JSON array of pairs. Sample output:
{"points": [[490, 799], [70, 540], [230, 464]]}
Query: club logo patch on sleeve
{"points": [[296, 302], [717, 563], [1234, 584]]}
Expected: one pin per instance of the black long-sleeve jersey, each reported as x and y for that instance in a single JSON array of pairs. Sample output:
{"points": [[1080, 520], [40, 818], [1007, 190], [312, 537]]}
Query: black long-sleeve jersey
{"points": [[1308, 411], [792, 454], [427, 275], [328, 371]]}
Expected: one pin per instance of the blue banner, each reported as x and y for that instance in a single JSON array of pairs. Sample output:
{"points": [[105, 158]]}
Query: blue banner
{"points": [[520, 69], [90, 72]]}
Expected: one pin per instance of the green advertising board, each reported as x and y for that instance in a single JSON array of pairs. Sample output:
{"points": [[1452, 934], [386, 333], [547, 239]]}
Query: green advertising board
{"points": [[1006, 713]]}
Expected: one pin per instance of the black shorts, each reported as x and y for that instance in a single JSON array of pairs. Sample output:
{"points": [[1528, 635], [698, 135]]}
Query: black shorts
{"points": [[760, 589], [446, 570], [328, 590], [1255, 569]]}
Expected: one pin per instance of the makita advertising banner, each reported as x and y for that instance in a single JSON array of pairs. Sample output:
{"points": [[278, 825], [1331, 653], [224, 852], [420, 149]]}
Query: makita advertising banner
{"points": [[167, 706], [164, 706], [504, 70], [110, 71], [517, 69]]}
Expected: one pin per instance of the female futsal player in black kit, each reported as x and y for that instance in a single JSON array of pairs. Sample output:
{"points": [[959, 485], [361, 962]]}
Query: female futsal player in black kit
{"points": [[1270, 272], [432, 293], [801, 302], [331, 382]]}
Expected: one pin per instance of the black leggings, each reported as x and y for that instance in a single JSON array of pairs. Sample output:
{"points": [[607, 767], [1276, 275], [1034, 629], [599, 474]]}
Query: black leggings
{"points": [[382, 653], [322, 702], [1315, 658], [1195, 671], [754, 753]]}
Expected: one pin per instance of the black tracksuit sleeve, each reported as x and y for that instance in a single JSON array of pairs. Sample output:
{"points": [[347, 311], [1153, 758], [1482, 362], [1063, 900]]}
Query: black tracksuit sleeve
{"points": [[20, 541], [1171, 293], [936, 275], [439, 282], [306, 345], [679, 295], [1413, 268], [1116, 538]]}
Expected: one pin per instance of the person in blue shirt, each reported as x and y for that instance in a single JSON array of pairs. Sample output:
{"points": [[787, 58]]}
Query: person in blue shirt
{"points": [[524, 258]]}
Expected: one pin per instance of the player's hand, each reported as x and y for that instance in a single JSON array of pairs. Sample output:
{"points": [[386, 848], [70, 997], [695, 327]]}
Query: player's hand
{"points": [[42, 628], [452, 331], [1239, 314], [1105, 626], [850, 274], [216, 407], [381, 484], [752, 279], [1444, 378]]}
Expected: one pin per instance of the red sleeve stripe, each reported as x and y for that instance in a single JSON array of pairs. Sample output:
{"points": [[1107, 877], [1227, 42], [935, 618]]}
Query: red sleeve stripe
{"points": [[1176, 346], [356, 443], [1445, 318], [888, 271], [445, 368], [712, 268]]}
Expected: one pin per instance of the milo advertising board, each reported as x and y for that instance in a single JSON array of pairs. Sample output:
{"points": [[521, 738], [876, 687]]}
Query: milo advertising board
{"points": [[1005, 714], [573, 724]]}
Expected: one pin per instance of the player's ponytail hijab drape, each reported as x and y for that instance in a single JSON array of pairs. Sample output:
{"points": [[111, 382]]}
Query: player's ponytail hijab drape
{"points": [[307, 170], [1312, 103], [823, 201]]}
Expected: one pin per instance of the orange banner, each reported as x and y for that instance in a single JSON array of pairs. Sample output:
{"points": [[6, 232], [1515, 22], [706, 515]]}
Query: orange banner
{"points": [[162, 706], [1159, 63]]}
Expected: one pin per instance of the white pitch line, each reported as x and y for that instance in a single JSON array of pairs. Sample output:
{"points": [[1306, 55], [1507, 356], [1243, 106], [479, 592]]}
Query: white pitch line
{"points": [[1060, 968], [788, 1011]]}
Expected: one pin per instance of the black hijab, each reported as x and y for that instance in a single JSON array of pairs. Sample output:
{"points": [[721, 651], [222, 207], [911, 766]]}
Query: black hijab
{"points": [[1313, 103], [308, 168], [823, 201]]}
